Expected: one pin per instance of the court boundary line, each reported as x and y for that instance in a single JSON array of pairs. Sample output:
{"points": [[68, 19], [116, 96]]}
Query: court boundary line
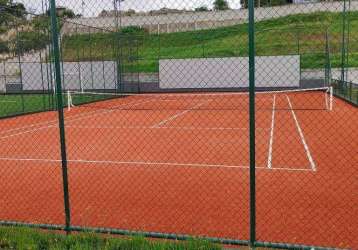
{"points": [[153, 163], [303, 140], [269, 159], [28, 131], [173, 117], [124, 127], [75, 117], [162, 127]]}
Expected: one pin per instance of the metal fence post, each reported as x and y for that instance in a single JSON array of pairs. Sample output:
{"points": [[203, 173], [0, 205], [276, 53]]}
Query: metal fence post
{"points": [[56, 51], [343, 56], [19, 53], [252, 123]]}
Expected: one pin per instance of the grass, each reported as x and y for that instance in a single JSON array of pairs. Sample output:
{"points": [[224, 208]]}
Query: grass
{"points": [[13, 104], [31, 239], [303, 34]]}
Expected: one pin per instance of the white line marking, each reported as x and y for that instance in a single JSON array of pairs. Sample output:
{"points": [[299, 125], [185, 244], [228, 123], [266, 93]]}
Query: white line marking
{"points": [[158, 128], [28, 126], [309, 156], [96, 113], [176, 116], [76, 117], [127, 162], [293, 169], [269, 160], [150, 164], [26, 132]]}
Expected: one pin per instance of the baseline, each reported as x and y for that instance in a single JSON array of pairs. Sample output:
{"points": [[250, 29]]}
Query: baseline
{"points": [[150, 164]]}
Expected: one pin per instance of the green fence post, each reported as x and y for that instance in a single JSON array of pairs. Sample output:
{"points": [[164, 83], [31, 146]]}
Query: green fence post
{"points": [[343, 56], [252, 123], [56, 51]]}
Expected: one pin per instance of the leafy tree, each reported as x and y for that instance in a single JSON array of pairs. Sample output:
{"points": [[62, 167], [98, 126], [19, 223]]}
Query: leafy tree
{"points": [[17, 10], [221, 5], [9, 11], [41, 22], [63, 13], [202, 8], [4, 48], [67, 13]]}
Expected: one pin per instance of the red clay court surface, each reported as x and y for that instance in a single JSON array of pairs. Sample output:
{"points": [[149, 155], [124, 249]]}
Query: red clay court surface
{"points": [[185, 170]]}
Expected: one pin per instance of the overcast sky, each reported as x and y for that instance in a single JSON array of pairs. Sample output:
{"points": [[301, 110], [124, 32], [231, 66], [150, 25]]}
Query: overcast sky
{"points": [[93, 7]]}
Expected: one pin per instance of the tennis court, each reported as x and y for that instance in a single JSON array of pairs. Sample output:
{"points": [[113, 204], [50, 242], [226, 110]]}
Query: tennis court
{"points": [[179, 163]]}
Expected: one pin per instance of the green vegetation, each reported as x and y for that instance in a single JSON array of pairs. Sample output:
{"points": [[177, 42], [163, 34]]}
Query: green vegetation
{"points": [[9, 12], [28, 239], [201, 8], [4, 47], [303, 34], [14, 104], [221, 5], [29, 40]]}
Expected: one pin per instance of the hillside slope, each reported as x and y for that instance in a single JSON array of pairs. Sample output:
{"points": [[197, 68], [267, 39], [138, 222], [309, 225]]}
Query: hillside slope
{"points": [[303, 34]]}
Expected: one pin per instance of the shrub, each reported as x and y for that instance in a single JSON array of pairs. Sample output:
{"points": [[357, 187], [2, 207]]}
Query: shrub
{"points": [[4, 48], [135, 30], [29, 40]]}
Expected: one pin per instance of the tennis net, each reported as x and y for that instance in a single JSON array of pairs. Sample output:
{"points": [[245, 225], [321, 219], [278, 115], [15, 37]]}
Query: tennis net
{"points": [[298, 99]]}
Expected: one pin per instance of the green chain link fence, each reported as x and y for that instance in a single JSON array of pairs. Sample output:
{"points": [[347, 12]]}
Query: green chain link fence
{"points": [[234, 121]]}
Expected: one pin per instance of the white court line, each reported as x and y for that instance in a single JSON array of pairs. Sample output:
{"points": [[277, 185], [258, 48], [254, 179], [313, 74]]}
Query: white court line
{"points": [[77, 117], [176, 116], [269, 159], [27, 131], [151, 164], [27, 127], [158, 128], [293, 169], [309, 156], [129, 127]]}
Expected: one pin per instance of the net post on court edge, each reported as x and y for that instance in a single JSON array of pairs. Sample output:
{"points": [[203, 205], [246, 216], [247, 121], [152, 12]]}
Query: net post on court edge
{"points": [[331, 98], [69, 101], [56, 52]]}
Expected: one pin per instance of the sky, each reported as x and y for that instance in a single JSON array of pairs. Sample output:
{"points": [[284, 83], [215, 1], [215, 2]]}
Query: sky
{"points": [[94, 7]]}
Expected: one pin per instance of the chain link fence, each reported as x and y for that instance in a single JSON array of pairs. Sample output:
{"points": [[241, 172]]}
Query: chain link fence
{"points": [[234, 121]]}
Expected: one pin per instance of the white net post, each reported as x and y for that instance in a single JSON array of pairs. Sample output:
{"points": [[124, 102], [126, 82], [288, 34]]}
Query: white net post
{"points": [[330, 98], [69, 101]]}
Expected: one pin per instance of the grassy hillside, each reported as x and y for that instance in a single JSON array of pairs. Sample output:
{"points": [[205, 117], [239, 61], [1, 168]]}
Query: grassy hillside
{"points": [[303, 34]]}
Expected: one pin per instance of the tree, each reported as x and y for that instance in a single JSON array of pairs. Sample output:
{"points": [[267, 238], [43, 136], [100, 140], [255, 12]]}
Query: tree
{"points": [[202, 8], [67, 13], [17, 10], [9, 11], [221, 5], [63, 12]]}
